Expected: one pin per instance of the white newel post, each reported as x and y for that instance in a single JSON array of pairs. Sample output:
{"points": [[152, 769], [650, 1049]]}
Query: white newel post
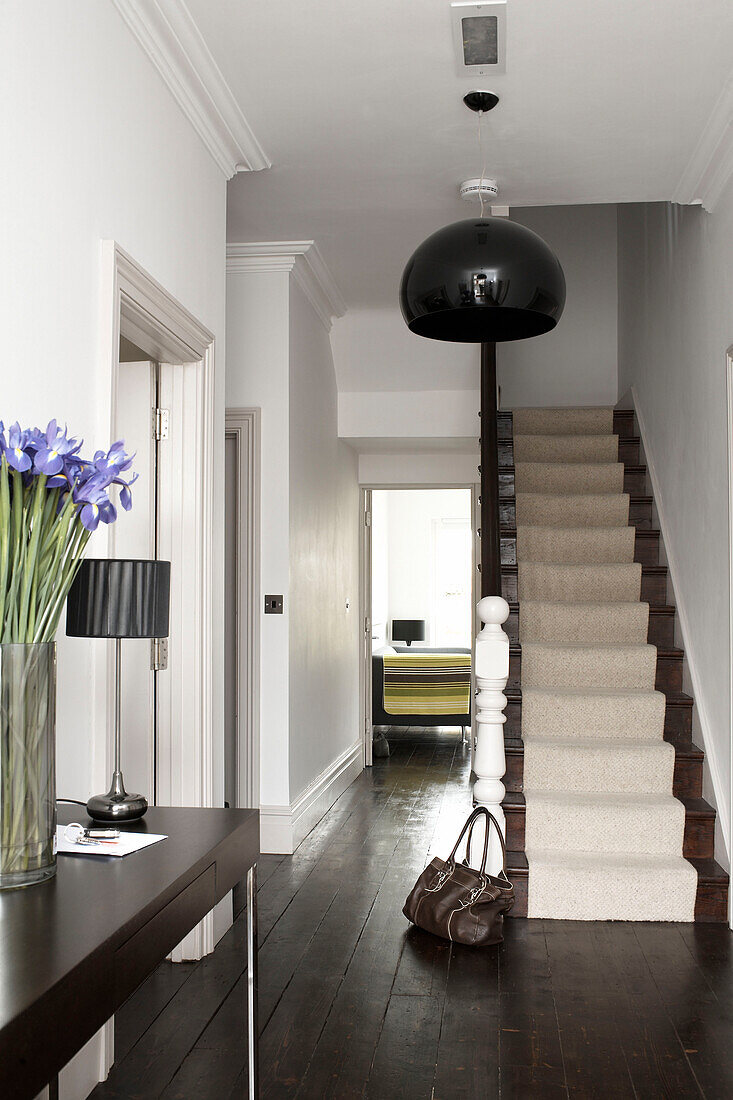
{"points": [[492, 673]]}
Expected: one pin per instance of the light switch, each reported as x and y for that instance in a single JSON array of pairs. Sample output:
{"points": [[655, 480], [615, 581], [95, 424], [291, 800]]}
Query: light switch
{"points": [[273, 605]]}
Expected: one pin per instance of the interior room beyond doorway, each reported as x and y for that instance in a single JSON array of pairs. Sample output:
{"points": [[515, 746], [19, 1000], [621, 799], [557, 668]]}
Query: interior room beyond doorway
{"points": [[421, 614]]}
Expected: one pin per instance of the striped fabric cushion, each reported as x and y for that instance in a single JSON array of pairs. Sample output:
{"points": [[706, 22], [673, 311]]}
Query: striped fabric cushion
{"points": [[427, 683]]}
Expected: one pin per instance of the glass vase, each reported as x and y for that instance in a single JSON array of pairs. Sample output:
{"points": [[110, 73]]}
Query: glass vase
{"points": [[27, 763]]}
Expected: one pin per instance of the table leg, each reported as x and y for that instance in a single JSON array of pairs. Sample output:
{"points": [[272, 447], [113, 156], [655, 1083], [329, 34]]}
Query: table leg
{"points": [[252, 1024]]}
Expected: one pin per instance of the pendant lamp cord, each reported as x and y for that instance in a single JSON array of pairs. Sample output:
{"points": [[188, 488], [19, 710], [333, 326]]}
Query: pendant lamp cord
{"points": [[482, 158]]}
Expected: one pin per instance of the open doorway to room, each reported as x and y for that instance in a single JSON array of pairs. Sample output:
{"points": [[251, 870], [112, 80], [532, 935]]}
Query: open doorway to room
{"points": [[419, 624]]}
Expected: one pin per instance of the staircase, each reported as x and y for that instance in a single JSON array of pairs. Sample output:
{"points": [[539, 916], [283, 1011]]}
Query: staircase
{"points": [[605, 819]]}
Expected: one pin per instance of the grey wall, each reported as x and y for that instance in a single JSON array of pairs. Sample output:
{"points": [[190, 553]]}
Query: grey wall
{"points": [[324, 559], [576, 363], [675, 326]]}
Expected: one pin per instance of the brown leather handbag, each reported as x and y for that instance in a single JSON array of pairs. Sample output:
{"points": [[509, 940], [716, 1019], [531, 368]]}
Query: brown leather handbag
{"points": [[460, 904]]}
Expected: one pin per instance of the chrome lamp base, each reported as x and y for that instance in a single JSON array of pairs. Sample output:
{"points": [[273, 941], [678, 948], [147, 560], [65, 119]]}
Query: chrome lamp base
{"points": [[116, 804]]}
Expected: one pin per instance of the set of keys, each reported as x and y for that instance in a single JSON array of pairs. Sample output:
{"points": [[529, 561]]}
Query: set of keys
{"points": [[80, 834]]}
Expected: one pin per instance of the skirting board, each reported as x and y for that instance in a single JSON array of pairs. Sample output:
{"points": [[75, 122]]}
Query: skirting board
{"points": [[283, 827]]}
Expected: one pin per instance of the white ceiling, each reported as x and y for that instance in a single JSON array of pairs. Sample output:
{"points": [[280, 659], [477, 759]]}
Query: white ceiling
{"points": [[358, 105]]}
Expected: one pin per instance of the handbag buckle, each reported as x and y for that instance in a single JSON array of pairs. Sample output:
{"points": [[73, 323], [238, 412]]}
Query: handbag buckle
{"points": [[442, 876], [475, 894]]}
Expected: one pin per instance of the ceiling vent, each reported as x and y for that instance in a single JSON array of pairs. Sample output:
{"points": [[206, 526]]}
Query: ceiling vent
{"points": [[479, 32]]}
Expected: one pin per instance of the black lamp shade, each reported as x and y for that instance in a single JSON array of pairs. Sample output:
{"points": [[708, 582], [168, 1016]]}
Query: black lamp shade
{"points": [[408, 630], [482, 281], [119, 598]]}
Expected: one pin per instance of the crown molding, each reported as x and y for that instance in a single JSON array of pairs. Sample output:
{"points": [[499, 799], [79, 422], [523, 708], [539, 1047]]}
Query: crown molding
{"points": [[167, 32], [303, 259], [711, 165]]}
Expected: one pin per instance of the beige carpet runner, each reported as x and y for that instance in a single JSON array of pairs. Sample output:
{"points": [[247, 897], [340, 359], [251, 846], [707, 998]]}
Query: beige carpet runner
{"points": [[604, 833]]}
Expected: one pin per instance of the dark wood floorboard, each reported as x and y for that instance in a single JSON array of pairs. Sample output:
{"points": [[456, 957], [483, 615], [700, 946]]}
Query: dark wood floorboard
{"points": [[356, 1003]]}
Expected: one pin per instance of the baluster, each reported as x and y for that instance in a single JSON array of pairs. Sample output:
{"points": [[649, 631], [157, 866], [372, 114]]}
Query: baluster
{"points": [[491, 673]]}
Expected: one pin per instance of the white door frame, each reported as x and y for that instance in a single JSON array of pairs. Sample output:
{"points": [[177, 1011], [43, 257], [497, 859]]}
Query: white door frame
{"points": [[365, 583], [365, 619], [244, 424], [729, 397], [136, 305]]}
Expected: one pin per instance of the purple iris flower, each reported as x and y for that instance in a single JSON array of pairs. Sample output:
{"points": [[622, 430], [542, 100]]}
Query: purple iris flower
{"points": [[54, 446], [15, 451], [55, 454], [97, 507]]}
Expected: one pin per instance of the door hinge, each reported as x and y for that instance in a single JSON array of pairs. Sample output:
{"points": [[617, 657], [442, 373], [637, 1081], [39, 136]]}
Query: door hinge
{"points": [[161, 424], [367, 519], [158, 654]]}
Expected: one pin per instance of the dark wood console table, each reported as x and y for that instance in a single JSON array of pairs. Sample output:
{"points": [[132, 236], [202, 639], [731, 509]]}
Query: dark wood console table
{"points": [[74, 948]]}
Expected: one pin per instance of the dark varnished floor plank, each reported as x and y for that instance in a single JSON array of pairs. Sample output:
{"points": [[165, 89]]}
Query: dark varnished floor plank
{"points": [[355, 1003]]}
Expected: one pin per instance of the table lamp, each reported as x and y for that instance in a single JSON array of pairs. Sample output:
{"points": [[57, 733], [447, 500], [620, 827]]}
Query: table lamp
{"points": [[408, 630], [118, 598]]}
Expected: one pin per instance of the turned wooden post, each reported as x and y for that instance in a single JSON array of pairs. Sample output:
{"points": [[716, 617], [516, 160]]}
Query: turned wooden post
{"points": [[491, 666], [491, 673]]}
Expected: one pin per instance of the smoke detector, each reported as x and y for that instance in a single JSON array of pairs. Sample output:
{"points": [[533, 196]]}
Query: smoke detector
{"points": [[477, 189]]}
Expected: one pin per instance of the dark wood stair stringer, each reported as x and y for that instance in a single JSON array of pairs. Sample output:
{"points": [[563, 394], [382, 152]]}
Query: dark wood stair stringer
{"points": [[699, 836]]}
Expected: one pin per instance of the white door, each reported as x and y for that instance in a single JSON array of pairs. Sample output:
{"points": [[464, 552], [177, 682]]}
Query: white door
{"points": [[135, 537]]}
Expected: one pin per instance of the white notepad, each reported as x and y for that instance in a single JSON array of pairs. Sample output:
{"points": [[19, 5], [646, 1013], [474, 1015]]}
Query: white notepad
{"points": [[123, 846]]}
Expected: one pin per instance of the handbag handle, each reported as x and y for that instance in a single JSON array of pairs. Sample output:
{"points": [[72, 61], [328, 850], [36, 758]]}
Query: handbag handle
{"points": [[480, 811]]}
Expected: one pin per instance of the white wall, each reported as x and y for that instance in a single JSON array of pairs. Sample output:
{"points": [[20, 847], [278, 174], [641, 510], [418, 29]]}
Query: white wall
{"points": [[675, 326], [94, 147], [279, 360], [406, 518], [324, 559], [258, 364], [409, 415], [419, 468], [573, 365]]}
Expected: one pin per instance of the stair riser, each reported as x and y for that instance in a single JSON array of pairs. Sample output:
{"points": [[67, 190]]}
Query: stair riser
{"points": [[698, 842], [623, 423], [628, 452], [668, 676], [646, 548], [634, 482], [653, 585], [640, 512], [661, 628], [687, 780], [677, 721], [711, 903]]}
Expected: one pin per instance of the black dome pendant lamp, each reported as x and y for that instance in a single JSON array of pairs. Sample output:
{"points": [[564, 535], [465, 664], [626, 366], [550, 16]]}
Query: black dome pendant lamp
{"points": [[482, 280]]}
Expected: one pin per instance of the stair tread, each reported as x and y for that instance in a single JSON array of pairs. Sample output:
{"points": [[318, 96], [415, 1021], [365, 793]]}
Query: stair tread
{"points": [[654, 608], [507, 532], [636, 468], [662, 651], [514, 746], [708, 870], [647, 570], [513, 693], [515, 800]]}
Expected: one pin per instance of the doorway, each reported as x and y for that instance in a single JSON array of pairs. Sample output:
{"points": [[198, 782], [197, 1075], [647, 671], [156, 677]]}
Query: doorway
{"points": [[138, 398], [418, 595], [241, 609]]}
